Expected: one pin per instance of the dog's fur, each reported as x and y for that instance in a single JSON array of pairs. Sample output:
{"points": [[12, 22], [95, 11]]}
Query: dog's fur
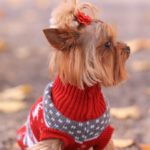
{"points": [[57, 145], [92, 51]]}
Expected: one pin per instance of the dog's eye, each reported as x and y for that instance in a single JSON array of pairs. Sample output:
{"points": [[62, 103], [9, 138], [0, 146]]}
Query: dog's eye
{"points": [[108, 44]]}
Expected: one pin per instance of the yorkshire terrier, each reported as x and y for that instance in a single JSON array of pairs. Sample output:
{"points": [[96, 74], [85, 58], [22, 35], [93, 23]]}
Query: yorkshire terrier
{"points": [[72, 114]]}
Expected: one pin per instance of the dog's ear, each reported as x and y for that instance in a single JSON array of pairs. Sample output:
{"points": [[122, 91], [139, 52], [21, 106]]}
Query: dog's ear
{"points": [[62, 39]]}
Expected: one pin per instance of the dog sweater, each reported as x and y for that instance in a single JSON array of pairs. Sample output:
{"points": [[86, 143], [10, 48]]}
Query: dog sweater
{"points": [[80, 118]]}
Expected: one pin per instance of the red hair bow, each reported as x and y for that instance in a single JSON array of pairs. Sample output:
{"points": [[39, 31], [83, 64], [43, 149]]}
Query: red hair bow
{"points": [[83, 19]]}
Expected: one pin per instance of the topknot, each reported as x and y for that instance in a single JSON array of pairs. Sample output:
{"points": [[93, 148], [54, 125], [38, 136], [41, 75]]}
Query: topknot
{"points": [[64, 15]]}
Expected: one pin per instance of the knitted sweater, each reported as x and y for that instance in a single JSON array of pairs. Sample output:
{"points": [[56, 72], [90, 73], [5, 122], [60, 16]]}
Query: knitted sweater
{"points": [[80, 118]]}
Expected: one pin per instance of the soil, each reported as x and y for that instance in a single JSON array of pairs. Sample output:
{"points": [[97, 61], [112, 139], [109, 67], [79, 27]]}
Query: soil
{"points": [[26, 57]]}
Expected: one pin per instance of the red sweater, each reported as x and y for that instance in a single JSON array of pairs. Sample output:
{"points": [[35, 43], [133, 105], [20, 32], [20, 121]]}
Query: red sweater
{"points": [[78, 106]]}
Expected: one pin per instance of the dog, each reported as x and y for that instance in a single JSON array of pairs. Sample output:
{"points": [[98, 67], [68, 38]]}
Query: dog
{"points": [[72, 114]]}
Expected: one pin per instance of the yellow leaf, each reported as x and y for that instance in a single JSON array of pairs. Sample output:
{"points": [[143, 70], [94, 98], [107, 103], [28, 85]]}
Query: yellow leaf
{"points": [[138, 44], [145, 146], [11, 106], [123, 143], [147, 91], [134, 45], [141, 65], [2, 46], [2, 13], [16, 93], [22, 52], [125, 112]]}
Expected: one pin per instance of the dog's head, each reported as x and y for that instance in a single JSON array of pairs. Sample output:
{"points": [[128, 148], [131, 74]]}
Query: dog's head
{"points": [[86, 50]]}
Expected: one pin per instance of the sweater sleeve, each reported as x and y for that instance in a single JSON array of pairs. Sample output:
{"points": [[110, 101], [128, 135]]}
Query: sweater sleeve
{"points": [[39, 128], [28, 134]]}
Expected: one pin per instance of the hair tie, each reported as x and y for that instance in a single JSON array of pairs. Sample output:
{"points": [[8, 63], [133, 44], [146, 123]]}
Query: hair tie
{"points": [[82, 18]]}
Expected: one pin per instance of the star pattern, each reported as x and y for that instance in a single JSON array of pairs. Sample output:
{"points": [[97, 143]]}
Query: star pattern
{"points": [[81, 131]]}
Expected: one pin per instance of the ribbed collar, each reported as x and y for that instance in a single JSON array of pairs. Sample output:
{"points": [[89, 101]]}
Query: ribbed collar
{"points": [[77, 104]]}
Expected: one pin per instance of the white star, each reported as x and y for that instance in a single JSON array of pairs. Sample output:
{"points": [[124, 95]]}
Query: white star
{"points": [[78, 131], [106, 121], [64, 127], [47, 116], [73, 127], [46, 92], [80, 124], [49, 123], [68, 121], [70, 132], [58, 114], [87, 131], [92, 126], [77, 137], [46, 102], [51, 105], [87, 122], [83, 136], [102, 128], [56, 126], [59, 120], [51, 112], [97, 128], [102, 122], [104, 115], [96, 134], [97, 121], [53, 119]]}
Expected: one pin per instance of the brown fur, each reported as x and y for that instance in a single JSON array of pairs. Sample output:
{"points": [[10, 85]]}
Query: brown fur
{"points": [[84, 59], [83, 55], [57, 145]]}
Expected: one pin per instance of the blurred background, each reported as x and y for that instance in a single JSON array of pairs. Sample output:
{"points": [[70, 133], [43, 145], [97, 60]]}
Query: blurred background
{"points": [[24, 59]]}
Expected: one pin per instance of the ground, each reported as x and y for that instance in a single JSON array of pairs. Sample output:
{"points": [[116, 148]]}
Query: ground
{"points": [[26, 59]]}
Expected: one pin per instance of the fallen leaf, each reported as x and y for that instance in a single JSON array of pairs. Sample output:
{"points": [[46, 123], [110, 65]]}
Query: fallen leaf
{"points": [[2, 13], [125, 112], [138, 44], [22, 52], [2, 45], [123, 143], [144, 146], [134, 45], [141, 65], [16, 93], [11, 106], [147, 91]]}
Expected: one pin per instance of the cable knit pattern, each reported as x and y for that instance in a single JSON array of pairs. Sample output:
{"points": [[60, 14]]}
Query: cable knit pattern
{"points": [[77, 104]]}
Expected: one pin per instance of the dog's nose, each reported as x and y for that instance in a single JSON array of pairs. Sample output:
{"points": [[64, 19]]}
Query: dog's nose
{"points": [[127, 49]]}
